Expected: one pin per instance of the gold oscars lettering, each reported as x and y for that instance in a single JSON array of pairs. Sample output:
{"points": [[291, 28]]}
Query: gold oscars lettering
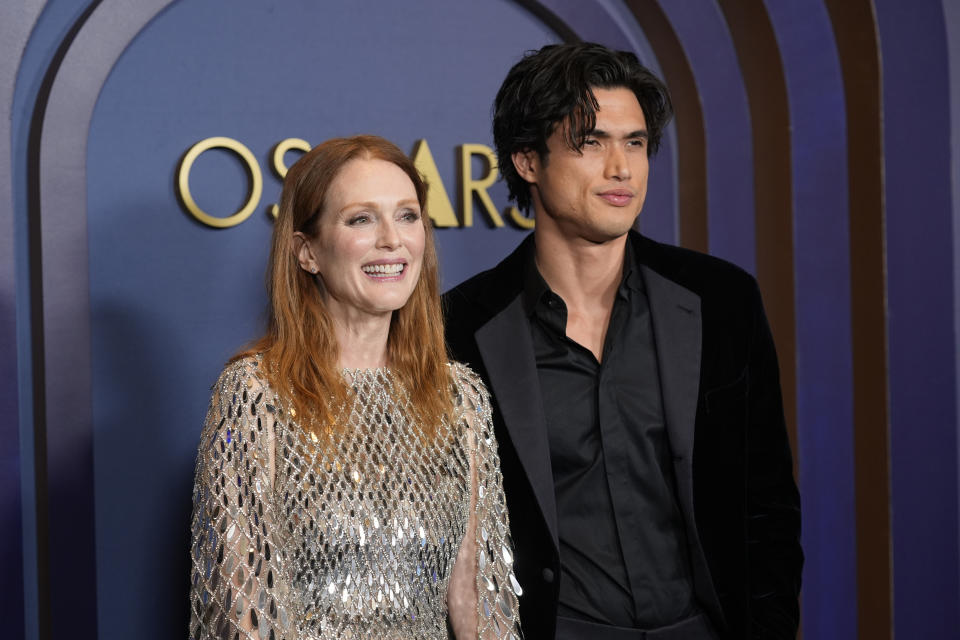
{"points": [[471, 189]]}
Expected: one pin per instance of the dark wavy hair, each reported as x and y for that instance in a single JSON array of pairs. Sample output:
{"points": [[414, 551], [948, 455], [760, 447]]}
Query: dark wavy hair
{"points": [[555, 84]]}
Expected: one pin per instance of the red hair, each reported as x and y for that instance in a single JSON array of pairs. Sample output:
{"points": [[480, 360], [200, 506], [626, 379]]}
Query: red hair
{"points": [[300, 348]]}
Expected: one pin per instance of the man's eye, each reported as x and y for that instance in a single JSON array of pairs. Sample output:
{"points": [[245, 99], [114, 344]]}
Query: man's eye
{"points": [[639, 142], [591, 142]]}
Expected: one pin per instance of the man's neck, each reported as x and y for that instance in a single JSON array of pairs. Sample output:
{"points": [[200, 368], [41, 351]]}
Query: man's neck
{"points": [[585, 274]]}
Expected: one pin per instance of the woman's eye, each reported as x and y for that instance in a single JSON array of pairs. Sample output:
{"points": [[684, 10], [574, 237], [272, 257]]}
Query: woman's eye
{"points": [[410, 215], [359, 218]]}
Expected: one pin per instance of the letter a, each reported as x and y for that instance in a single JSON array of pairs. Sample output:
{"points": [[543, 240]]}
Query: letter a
{"points": [[438, 203]]}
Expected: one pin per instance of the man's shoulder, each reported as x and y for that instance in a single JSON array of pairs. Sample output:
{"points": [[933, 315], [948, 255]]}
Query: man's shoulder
{"points": [[489, 291], [701, 273], [475, 288]]}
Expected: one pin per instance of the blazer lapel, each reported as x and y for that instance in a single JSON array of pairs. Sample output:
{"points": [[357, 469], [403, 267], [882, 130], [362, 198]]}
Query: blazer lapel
{"points": [[675, 313], [507, 352]]}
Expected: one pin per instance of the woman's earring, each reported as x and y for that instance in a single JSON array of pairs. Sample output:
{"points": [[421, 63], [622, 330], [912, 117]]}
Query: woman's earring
{"points": [[313, 270]]}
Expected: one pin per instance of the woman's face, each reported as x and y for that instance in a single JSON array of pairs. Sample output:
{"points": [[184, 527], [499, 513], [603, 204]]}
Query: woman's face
{"points": [[369, 241]]}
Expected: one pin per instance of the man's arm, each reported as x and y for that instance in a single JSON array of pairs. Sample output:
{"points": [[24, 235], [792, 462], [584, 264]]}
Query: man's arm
{"points": [[773, 502]]}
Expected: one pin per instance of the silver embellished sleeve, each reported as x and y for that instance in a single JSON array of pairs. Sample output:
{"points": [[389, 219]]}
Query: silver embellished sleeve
{"points": [[497, 586], [238, 586]]}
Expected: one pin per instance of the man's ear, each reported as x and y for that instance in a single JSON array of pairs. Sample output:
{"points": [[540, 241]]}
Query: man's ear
{"points": [[527, 164], [304, 251]]}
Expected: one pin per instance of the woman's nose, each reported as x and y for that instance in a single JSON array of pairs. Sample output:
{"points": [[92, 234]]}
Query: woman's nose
{"points": [[388, 237]]}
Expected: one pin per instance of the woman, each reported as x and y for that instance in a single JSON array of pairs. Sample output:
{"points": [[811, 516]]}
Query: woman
{"points": [[348, 484]]}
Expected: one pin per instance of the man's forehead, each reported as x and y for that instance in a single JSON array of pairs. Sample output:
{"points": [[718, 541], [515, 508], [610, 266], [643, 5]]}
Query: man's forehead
{"points": [[620, 110]]}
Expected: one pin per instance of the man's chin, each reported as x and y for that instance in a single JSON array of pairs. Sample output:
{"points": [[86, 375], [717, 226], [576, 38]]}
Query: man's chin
{"points": [[596, 234], [608, 235]]}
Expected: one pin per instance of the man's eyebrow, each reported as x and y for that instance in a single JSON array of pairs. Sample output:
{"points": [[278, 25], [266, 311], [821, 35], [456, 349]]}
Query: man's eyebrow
{"points": [[600, 133]]}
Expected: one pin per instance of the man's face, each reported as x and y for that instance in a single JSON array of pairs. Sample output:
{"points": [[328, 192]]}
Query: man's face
{"points": [[596, 193]]}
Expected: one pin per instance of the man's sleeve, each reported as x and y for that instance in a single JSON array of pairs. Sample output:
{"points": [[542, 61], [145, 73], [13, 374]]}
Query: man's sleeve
{"points": [[773, 502]]}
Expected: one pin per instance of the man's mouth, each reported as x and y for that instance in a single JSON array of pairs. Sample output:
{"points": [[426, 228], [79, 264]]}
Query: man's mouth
{"points": [[617, 197]]}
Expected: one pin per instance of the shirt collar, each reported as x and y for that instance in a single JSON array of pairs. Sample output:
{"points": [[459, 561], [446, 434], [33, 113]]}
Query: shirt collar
{"points": [[632, 278], [535, 287]]}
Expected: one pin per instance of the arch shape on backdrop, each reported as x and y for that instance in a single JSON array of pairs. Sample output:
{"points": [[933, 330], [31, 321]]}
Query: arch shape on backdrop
{"points": [[952, 19], [68, 425], [763, 73], [692, 231], [70, 584], [719, 85], [822, 279], [15, 464], [922, 347], [855, 29], [171, 306], [66, 309]]}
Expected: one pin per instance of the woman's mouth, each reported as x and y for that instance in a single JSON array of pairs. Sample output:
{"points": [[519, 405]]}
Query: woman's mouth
{"points": [[384, 270]]}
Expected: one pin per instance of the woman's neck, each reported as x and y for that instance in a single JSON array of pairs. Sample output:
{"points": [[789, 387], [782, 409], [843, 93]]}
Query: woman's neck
{"points": [[362, 340]]}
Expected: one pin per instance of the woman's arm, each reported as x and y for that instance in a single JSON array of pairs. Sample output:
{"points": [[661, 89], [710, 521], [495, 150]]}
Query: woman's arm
{"points": [[462, 590], [237, 580], [483, 575]]}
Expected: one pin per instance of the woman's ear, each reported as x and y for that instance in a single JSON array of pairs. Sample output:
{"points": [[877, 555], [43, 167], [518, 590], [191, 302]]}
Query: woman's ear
{"points": [[304, 250]]}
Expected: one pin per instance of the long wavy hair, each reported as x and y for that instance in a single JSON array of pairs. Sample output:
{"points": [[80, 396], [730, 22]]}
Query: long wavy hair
{"points": [[300, 349]]}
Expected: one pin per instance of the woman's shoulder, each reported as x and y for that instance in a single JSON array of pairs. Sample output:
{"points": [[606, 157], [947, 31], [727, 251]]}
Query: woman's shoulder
{"points": [[469, 387], [243, 378], [242, 416], [246, 370], [462, 374], [243, 393]]}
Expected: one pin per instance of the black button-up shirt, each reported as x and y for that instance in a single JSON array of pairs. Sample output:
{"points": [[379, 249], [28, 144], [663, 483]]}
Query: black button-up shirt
{"points": [[623, 555]]}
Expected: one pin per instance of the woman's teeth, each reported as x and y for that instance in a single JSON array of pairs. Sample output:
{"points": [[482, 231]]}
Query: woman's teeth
{"points": [[383, 269]]}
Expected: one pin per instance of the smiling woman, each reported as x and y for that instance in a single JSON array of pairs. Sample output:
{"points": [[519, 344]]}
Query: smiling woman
{"points": [[367, 248], [348, 482]]}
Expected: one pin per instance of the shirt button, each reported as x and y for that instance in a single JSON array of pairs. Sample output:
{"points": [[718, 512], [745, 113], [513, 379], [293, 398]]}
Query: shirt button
{"points": [[547, 575]]}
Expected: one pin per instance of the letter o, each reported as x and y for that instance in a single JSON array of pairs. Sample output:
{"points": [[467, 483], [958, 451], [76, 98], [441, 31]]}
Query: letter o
{"points": [[256, 181]]}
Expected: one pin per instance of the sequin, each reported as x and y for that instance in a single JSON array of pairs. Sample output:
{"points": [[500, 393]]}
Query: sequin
{"points": [[295, 538], [515, 585], [504, 607]]}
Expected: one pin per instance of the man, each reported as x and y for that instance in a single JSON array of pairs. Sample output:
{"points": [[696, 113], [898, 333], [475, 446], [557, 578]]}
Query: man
{"points": [[636, 392]]}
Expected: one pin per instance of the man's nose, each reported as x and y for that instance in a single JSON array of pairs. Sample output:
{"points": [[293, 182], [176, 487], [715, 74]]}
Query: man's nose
{"points": [[617, 166]]}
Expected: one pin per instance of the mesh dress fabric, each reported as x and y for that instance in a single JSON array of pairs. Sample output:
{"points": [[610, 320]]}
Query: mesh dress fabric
{"points": [[294, 537]]}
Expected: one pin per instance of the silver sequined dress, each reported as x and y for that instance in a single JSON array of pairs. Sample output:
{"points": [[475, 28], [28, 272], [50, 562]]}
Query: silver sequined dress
{"points": [[355, 539]]}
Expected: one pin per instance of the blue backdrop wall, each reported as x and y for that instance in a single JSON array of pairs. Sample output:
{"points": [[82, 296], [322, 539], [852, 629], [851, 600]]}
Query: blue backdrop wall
{"points": [[798, 152]]}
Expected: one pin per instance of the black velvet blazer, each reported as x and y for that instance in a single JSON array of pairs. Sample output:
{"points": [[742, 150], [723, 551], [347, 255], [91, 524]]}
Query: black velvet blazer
{"points": [[724, 415]]}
